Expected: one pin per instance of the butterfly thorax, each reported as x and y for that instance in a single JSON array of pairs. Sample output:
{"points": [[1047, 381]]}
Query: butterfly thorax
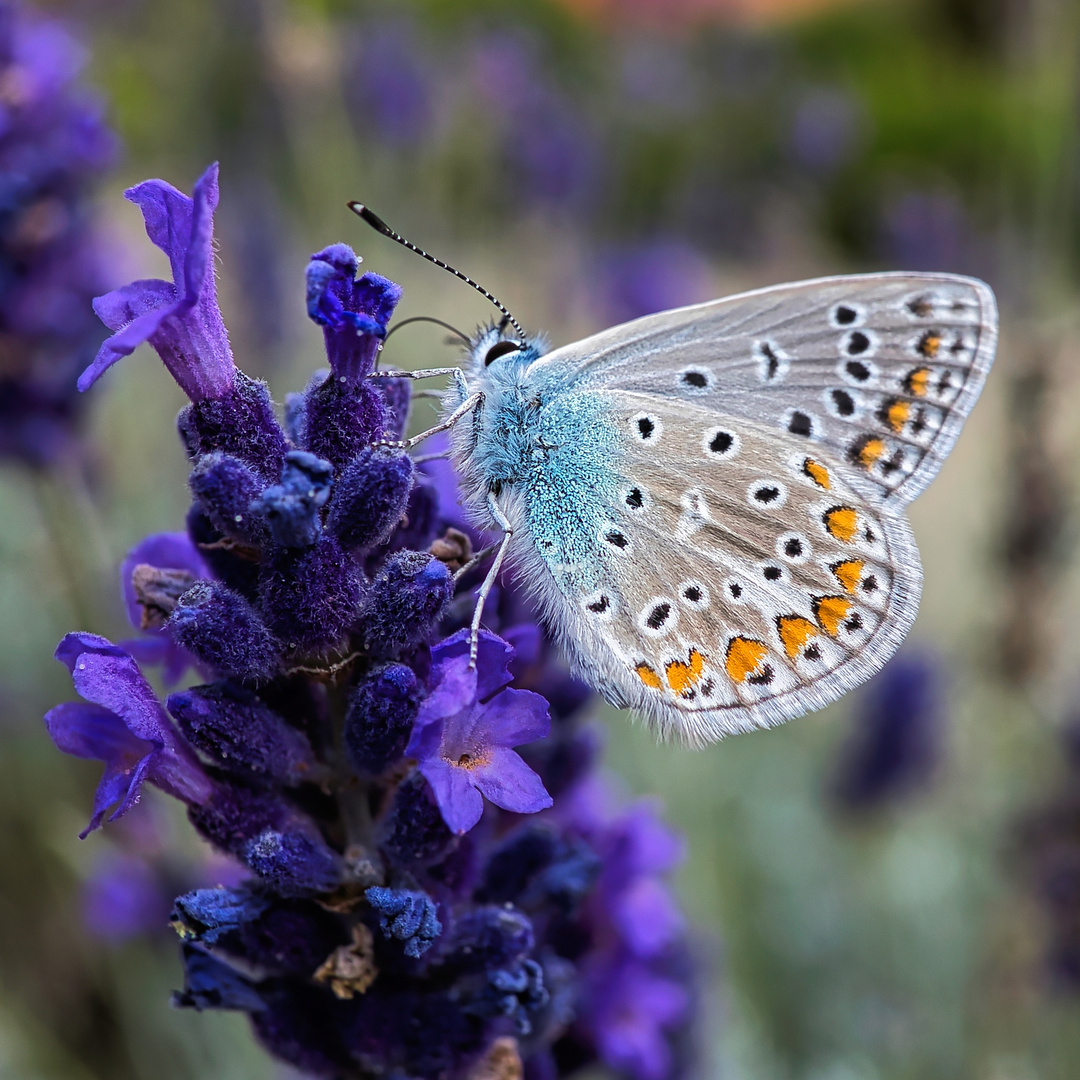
{"points": [[547, 450]]}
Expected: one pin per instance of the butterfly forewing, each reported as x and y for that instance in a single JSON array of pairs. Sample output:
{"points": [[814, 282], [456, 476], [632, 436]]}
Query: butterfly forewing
{"points": [[877, 370], [743, 581]]}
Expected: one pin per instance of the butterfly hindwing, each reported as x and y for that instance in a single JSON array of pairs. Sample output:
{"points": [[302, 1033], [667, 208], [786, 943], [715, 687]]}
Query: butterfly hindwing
{"points": [[877, 370], [743, 580]]}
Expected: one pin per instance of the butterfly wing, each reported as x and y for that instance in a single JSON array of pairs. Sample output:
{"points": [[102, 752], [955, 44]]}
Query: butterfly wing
{"points": [[879, 371], [743, 581]]}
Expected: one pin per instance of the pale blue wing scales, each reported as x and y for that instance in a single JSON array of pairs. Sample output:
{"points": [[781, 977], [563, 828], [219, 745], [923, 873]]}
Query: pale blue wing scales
{"points": [[879, 371]]}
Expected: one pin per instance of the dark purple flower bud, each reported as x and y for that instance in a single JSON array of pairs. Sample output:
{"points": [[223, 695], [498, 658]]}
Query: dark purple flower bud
{"points": [[293, 863], [291, 508], [353, 312], [235, 814], [210, 983], [896, 743], [292, 937], [307, 1027], [234, 566], [232, 726], [370, 497], [180, 319], [225, 487], [412, 832], [462, 738], [536, 867], [206, 915], [123, 725], [406, 601], [407, 916], [166, 551], [515, 993], [311, 596], [489, 937], [241, 422], [224, 631], [381, 712], [341, 419]]}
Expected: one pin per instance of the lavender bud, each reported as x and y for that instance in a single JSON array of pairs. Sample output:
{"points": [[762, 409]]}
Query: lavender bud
{"points": [[380, 717], [370, 498], [224, 631]]}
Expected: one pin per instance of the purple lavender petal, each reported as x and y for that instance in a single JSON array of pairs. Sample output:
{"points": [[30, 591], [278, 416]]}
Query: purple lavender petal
{"points": [[492, 661], [188, 334], [107, 676], [508, 782], [460, 804], [94, 733], [513, 717], [123, 344], [89, 731], [167, 214], [122, 306]]}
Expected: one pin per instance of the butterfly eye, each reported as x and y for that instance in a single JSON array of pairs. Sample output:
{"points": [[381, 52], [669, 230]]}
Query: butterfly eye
{"points": [[501, 348]]}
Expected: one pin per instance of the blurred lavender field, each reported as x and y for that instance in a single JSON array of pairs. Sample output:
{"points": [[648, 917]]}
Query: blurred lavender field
{"points": [[887, 889]]}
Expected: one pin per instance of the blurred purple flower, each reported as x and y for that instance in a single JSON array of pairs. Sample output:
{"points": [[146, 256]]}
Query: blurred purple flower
{"points": [[54, 146], [123, 898], [825, 129], [896, 742], [391, 84], [655, 275], [924, 230]]}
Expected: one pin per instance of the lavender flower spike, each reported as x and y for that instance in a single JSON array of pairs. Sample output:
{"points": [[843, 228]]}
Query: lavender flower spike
{"points": [[124, 725], [465, 728], [181, 319]]}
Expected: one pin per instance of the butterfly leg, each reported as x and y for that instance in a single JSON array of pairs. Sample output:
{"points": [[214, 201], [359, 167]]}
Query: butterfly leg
{"points": [[427, 373], [463, 409], [503, 522]]}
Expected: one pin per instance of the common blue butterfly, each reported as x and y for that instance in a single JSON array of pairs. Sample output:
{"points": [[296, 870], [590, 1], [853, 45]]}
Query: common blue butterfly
{"points": [[708, 503]]}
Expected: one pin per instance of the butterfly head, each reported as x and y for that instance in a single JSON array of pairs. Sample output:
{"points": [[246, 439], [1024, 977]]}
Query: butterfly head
{"points": [[493, 350]]}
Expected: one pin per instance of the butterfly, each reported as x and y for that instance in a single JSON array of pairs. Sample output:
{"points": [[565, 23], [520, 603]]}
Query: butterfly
{"points": [[708, 503]]}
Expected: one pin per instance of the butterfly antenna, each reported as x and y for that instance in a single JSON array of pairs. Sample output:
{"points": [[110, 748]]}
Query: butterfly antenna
{"points": [[380, 226], [431, 319]]}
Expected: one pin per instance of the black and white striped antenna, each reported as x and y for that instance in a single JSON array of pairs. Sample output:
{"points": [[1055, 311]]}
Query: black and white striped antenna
{"points": [[380, 226]]}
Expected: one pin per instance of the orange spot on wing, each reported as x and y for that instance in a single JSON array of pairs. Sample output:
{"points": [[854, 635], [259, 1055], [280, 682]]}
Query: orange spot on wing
{"points": [[683, 677], [648, 676], [929, 344], [868, 451], [795, 632], [896, 415], [818, 473], [849, 573], [744, 657], [830, 612], [917, 381], [842, 522]]}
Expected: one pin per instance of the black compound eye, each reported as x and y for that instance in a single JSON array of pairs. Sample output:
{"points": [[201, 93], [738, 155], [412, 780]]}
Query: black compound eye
{"points": [[500, 348]]}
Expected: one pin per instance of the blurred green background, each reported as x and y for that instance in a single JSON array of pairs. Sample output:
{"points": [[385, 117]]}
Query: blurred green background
{"points": [[591, 160]]}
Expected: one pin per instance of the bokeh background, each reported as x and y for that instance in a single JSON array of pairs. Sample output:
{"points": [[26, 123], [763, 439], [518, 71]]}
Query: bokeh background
{"points": [[888, 889]]}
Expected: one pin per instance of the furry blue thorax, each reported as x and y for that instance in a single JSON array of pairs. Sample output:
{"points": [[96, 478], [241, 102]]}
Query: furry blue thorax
{"points": [[546, 446]]}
